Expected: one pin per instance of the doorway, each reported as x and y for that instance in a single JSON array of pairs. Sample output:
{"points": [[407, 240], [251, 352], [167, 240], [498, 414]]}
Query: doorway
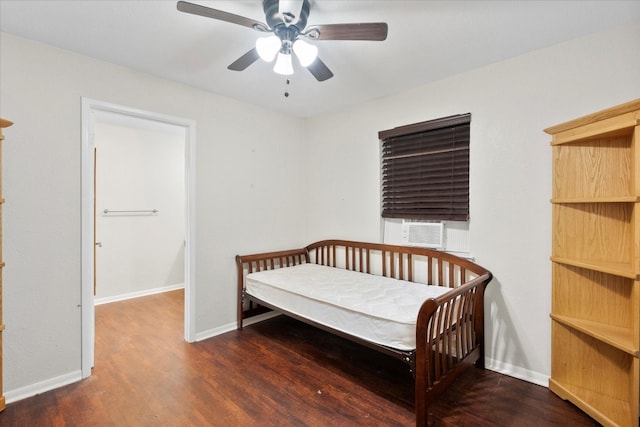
{"points": [[93, 116], [140, 210]]}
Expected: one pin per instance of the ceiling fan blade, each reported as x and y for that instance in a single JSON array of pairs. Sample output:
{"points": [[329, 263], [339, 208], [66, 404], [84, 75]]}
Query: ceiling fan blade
{"points": [[319, 70], [196, 9], [375, 31], [245, 60]]}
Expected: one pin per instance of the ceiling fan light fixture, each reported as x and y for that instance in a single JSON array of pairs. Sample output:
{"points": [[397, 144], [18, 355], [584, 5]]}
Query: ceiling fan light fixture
{"points": [[286, 22], [268, 47], [306, 53], [283, 65]]}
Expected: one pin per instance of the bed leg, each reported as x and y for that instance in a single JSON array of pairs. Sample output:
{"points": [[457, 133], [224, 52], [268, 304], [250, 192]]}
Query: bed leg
{"points": [[480, 362], [410, 359], [240, 290], [421, 408], [240, 310]]}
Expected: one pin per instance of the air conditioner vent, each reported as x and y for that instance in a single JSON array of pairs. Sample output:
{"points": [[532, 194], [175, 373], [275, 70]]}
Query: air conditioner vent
{"points": [[425, 234]]}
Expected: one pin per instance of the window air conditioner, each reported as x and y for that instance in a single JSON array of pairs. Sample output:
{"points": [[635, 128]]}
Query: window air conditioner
{"points": [[425, 234]]}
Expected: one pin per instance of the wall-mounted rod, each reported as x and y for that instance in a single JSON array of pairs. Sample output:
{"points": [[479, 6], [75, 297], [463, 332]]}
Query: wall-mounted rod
{"points": [[151, 211]]}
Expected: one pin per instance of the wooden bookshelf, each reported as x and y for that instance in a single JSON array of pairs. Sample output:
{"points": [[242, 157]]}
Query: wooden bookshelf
{"points": [[595, 308]]}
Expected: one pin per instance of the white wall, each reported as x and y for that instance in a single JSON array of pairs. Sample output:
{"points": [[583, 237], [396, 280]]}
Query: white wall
{"points": [[253, 183], [244, 163], [140, 166], [511, 102]]}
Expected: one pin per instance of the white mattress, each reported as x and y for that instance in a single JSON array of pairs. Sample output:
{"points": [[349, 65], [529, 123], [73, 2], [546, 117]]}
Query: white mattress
{"points": [[376, 308]]}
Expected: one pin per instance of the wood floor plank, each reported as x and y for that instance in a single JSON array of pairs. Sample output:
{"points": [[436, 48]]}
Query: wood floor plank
{"points": [[276, 373]]}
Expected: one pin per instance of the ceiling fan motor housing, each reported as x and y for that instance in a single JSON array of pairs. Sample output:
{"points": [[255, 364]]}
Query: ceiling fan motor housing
{"points": [[274, 17], [284, 24]]}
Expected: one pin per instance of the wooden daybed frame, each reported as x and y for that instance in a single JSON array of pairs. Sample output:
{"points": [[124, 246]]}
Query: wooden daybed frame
{"points": [[449, 329]]}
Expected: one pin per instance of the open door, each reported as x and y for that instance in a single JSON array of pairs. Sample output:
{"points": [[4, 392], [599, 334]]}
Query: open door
{"points": [[90, 108], [95, 234]]}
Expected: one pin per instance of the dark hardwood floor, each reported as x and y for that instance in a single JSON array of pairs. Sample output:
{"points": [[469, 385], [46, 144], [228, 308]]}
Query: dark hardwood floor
{"points": [[276, 373]]}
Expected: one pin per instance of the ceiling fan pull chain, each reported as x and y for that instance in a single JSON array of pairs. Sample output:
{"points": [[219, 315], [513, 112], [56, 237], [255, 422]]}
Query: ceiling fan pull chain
{"points": [[286, 91]]}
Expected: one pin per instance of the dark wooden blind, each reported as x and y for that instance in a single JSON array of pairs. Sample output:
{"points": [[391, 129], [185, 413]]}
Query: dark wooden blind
{"points": [[425, 170]]}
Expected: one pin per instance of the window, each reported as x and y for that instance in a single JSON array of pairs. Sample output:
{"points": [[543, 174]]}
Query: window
{"points": [[425, 170]]}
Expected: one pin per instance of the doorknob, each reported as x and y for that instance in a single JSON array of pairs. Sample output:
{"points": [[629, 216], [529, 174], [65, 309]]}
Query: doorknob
{"points": [[99, 244]]}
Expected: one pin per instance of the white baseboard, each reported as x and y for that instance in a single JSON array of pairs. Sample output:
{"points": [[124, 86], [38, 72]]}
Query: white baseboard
{"points": [[232, 326], [41, 387], [144, 293], [517, 372]]}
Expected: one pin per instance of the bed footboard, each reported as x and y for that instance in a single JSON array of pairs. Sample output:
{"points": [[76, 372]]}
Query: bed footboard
{"points": [[247, 264], [449, 338]]}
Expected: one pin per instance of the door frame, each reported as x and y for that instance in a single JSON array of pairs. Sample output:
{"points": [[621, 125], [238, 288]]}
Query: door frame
{"points": [[89, 109]]}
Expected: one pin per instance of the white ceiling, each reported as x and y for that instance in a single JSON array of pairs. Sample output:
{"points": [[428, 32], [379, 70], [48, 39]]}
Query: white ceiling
{"points": [[427, 41]]}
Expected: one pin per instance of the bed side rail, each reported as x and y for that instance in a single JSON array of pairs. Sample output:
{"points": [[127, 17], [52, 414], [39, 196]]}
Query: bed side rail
{"points": [[410, 263], [247, 264], [449, 337]]}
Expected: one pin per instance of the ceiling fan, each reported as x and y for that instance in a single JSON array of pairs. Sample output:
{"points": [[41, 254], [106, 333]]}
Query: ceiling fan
{"points": [[288, 35]]}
